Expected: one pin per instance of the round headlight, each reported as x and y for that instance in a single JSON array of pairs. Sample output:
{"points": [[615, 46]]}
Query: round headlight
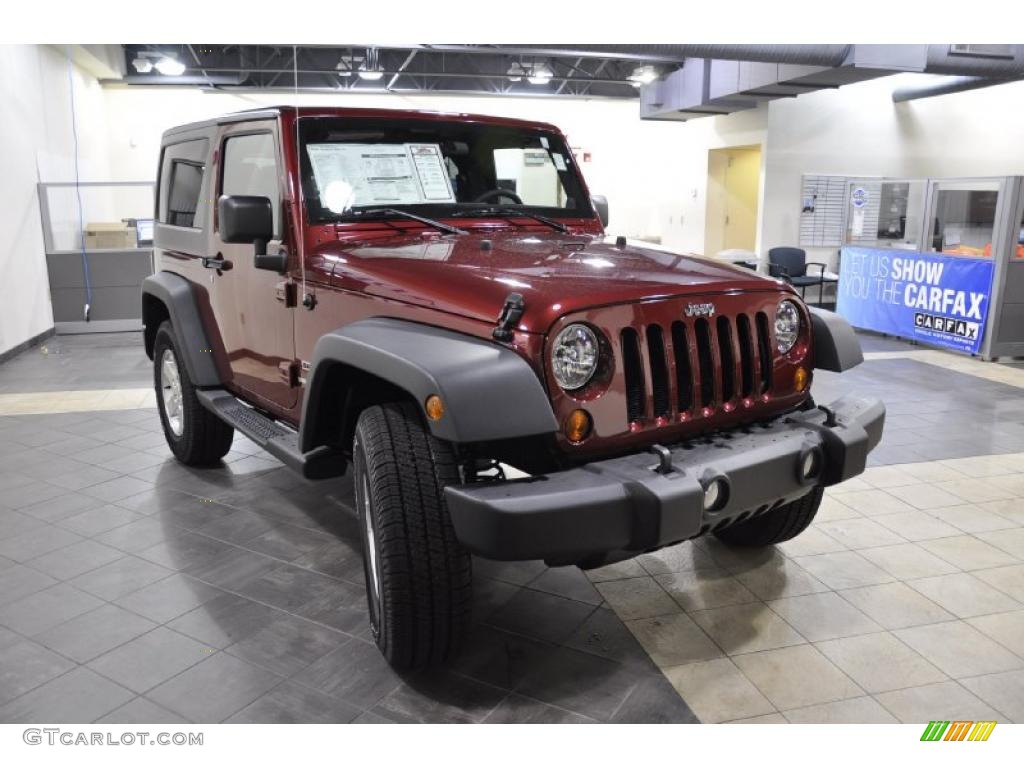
{"points": [[787, 326], [574, 356]]}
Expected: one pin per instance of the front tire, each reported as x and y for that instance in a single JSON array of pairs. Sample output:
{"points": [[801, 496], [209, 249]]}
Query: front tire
{"points": [[194, 435], [774, 527], [418, 576]]}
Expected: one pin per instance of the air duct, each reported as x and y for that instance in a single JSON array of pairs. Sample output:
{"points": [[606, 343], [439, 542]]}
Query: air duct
{"points": [[944, 86]]}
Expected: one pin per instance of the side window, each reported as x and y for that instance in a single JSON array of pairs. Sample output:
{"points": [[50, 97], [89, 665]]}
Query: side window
{"points": [[250, 168], [181, 182]]}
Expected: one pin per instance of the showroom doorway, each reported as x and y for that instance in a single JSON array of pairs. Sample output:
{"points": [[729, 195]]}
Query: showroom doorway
{"points": [[734, 184]]}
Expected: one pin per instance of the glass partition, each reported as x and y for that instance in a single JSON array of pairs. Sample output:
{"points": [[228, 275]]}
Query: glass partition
{"points": [[114, 216], [963, 217], [885, 213]]}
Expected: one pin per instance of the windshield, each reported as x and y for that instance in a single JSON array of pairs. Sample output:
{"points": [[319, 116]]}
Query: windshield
{"points": [[435, 168]]}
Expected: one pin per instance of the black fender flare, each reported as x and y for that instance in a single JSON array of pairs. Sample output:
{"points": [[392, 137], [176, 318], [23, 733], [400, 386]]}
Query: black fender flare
{"points": [[489, 391], [176, 294], [835, 344]]}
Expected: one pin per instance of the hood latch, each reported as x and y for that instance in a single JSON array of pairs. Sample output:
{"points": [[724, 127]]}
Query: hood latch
{"points": [[509, 317]]}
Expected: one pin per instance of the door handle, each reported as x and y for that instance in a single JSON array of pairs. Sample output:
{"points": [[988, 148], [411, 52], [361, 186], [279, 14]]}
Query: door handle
{"points": [[217, 262]]}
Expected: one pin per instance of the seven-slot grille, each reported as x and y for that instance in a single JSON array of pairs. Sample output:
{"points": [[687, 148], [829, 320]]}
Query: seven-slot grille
{"points": [[671, 370]]}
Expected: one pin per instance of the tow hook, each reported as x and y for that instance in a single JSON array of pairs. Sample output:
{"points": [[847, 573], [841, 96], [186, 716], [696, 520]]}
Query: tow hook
{"points": [[664, 459]]}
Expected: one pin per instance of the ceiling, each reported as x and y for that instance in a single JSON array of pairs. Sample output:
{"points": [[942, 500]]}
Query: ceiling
{"points": [[477, 69]]}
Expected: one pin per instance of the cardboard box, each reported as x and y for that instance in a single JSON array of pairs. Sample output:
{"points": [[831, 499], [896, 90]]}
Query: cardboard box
{"points": [[104, 234]]}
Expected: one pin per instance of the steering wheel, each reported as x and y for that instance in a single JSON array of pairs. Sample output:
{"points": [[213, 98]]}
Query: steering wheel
{"points": [[497, 194]]}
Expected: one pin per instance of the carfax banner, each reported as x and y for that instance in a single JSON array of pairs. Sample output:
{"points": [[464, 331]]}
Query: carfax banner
{"points": [[930, 297]]}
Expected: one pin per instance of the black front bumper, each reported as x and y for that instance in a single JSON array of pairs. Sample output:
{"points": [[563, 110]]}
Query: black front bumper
{"points": [[627, 505]]}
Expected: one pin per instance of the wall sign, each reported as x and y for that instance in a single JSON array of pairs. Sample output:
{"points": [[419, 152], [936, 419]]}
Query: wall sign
{"points": [[932, 298]]}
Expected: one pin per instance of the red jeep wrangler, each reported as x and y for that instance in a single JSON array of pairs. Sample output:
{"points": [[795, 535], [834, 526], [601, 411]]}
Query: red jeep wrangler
{"points": [[431, 298]]}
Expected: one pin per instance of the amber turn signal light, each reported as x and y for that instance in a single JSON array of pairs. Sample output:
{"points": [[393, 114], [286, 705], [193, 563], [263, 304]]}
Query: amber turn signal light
{"points": [[578, 425], [800, 379], [434, 407]]}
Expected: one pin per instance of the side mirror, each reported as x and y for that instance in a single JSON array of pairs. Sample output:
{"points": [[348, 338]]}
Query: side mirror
{"points": [[246, 219], [600, 203]]}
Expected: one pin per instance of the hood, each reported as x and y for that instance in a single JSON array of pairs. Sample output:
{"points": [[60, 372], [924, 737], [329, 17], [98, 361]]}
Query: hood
{"points": [[557, 274]]}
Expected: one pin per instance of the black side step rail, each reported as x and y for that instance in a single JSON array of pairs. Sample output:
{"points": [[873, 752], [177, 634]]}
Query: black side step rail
{"points": [[276, 439]]}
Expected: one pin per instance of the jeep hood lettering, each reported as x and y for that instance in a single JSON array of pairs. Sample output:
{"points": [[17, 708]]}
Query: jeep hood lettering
{"points": [[556, 274]]}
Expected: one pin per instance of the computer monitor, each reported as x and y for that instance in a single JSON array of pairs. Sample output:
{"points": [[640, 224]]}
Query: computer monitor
{"points": [[144, 231]]}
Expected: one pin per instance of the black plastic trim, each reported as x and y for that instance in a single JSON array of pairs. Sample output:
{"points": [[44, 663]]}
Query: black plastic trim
{"points": [[836, 347], [489, 391], [626, 504], [176, 294]]}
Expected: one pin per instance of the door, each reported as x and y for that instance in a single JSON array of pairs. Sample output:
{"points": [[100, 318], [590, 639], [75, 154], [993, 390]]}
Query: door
{"points": [[252, 305], [734, 185]]}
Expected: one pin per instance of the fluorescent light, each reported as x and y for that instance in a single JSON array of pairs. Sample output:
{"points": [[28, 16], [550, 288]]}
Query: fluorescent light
{"points": [[142, 65], [170, 67], [370, 74], [515, 73]]}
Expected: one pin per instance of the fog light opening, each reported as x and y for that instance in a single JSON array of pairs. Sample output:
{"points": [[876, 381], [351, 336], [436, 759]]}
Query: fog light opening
{"points": [[810, 465], [716, 494]]}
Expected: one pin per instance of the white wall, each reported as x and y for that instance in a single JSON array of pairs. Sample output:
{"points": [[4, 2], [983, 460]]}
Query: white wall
{"points": [[36, 145], [857, 130]]}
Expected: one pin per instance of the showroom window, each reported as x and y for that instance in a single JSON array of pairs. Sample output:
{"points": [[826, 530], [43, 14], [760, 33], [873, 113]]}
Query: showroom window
{"points": [[250, 168], [183, 168]]}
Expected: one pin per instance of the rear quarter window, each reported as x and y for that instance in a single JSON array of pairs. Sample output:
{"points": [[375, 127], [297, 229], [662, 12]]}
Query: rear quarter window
{"points": [[182, 172]]}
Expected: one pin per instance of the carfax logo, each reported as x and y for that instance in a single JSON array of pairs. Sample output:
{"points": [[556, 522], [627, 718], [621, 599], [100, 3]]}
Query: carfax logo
{"points": [[958, 730], [949, 325]]}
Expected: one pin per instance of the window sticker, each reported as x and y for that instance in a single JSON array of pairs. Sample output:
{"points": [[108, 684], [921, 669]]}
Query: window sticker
{"points": [[544, 142], [559, 160], [349, 175]]}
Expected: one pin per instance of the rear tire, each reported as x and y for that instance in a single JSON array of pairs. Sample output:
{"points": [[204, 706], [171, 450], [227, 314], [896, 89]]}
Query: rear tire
{"points": [[194, 435], [779, 525], [418, 576]]}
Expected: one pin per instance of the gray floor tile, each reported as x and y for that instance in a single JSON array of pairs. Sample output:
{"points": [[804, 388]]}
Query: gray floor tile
{"points": [[849, 711], [568, 582], [918, 705], [796, 677], [717, 691], [98, 520], [521, 709], [1003, 690], [214, 689], [35, 542], [896, 605], [87, 636], [288, 645], [120, 577], [880, 662], [823, 616], [223, 620], [151, 659], [141, 710], [18, 581], [963, 595], [354, 672], [440, 697], [25, 665], [541, 615], [168, 598], [78, 696], [746, 628], [291, 703], [47, 608], [75, 559]]}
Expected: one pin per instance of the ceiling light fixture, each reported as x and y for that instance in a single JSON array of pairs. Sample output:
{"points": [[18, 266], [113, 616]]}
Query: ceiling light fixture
{"points": [[541, 75], [516, 72], [643, 76], [370, 74], [170, 66], [142, 65]]}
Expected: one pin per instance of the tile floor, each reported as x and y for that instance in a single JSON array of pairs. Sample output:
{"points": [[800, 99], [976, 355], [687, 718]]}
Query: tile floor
{"points": [[133, 589]]}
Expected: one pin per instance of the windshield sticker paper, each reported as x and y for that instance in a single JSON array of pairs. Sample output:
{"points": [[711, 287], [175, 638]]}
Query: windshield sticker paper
{"points": [[432, 173], [930, 297], [379, 174], [559, 161]]}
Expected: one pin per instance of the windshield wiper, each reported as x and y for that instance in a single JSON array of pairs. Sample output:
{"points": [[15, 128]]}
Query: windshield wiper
{"points": [[363, 212], [512, 212]]}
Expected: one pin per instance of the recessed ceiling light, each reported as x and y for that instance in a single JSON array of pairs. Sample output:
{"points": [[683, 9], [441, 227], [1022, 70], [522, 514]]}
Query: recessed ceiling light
{"points": [[142, 65]]}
